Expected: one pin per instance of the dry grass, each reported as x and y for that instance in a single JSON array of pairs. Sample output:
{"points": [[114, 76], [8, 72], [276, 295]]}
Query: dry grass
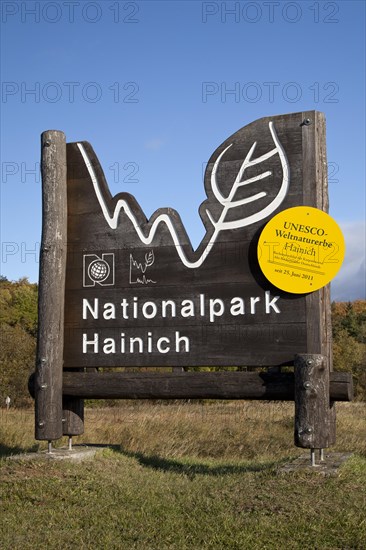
{"points": [[233, 430], [183, 476]]}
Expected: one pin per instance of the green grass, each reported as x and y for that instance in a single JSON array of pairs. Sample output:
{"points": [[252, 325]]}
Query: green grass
{"points": [[184, 477]]}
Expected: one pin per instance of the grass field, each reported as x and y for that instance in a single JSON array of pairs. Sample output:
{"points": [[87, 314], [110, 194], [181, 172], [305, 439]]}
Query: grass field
{"points": [[184, 476]]}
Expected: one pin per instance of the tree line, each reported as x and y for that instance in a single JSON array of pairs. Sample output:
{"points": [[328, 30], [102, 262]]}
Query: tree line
{"points": [[18, 334]]}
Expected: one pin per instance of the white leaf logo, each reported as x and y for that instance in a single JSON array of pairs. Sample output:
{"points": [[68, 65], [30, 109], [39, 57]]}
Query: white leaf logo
{"points": [[221, 224], [149, 258]]}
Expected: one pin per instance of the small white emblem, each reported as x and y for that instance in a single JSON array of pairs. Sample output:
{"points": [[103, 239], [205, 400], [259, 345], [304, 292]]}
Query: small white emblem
{"points": [[98, 270], [138, 269]]}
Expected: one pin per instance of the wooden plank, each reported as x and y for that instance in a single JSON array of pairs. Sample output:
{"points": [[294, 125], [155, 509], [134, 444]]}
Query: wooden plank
{"points": [[231, 344], [49, 360], [191, 385]]}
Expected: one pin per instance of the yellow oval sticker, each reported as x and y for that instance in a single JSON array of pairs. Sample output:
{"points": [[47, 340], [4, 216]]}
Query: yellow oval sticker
{"points": [[301, 249]]}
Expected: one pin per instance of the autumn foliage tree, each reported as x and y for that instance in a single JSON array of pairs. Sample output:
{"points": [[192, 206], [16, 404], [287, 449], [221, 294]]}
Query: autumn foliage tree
{"points": [[18, 331], [349, 342]]}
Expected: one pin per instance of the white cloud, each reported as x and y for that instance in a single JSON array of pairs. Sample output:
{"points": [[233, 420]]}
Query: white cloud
{"points": [[154, 144], [350, 283]]}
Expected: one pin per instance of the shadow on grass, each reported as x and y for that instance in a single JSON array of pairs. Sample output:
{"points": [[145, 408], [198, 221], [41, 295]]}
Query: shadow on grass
{"points": [[191, 468], [6, 451]]}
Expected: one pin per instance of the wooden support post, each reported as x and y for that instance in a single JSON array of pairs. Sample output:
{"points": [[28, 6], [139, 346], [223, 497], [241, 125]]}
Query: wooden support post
{"points": [[49, 360], [73, 414], [315, 174], [313, 417]]}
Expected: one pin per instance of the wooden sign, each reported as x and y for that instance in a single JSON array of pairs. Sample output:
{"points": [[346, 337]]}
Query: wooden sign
{"points": [[137, 294], [118, 290]]}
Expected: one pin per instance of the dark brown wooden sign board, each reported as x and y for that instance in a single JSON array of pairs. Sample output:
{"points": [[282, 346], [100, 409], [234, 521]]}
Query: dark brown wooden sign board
{"points": [[137, 294], [118, 290]]}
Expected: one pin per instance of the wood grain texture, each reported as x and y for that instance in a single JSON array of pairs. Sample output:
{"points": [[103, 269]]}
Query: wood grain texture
{"points": [[190, 385], [49, 361], [319, 329], [230, 270], [73, 415], [312, 419]]}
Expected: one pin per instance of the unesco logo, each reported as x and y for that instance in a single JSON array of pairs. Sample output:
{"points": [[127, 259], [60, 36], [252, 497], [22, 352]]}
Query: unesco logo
{"points": [[98, 270]]}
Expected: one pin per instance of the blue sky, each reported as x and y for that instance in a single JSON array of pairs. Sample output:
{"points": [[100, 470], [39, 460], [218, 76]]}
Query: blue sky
{"points": [[156, 87]]}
